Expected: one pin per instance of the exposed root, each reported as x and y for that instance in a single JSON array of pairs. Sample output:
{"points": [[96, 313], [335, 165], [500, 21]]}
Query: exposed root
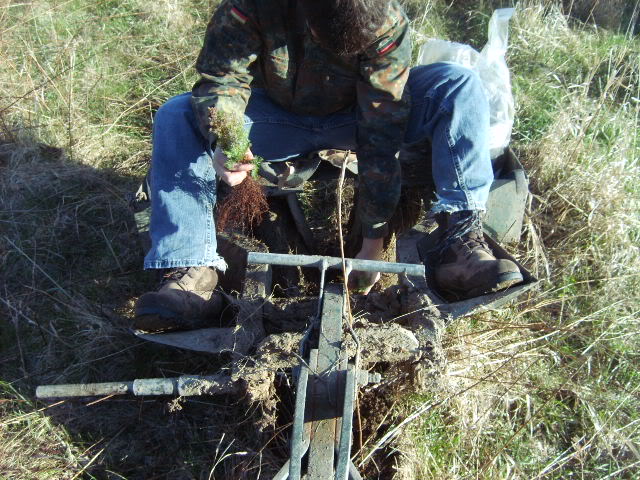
{"points": [[244, 207]]}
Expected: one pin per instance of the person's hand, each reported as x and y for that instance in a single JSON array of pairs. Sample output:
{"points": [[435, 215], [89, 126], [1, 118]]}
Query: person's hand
{"points": [[235, 175], [362, 282]]}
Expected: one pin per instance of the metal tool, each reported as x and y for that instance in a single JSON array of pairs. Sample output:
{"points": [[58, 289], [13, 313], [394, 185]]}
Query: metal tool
{"points": [[326, 380]]}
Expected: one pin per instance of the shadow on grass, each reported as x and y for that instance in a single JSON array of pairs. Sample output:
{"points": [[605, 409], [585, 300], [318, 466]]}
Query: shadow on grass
{"points": [[71, 274]]}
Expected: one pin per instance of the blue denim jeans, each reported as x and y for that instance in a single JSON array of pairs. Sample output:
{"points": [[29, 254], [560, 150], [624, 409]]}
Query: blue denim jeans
{"points": [[448, 108]]}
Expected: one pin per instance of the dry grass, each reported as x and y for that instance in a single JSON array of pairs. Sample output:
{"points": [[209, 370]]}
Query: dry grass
{"points": [[547, 388], [78, 84], [30, 445]]}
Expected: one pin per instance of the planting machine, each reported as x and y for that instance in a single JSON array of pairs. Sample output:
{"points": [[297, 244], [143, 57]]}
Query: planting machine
{"points": [[329, 358]]}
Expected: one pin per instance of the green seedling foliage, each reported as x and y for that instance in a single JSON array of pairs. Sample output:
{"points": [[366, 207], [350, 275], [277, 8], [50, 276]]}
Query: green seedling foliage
{"points": [[234, 140]]}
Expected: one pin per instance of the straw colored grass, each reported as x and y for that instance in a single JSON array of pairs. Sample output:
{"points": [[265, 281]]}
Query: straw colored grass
{"points": [[546, 388]]}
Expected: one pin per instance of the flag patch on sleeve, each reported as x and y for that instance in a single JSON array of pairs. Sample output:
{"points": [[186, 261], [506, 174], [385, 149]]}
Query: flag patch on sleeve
{"points": [[387, 47], [239, 15]]}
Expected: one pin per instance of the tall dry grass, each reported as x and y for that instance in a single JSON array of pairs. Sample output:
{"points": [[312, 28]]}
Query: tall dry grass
{"points": [[547, 388]]}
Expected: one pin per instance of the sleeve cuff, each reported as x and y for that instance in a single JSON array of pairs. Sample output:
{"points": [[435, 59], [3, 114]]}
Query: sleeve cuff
{"points": [[376, 230]]}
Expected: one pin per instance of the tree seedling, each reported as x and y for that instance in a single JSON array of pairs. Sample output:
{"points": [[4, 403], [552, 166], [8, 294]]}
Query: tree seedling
{"points": [[247, 202]]}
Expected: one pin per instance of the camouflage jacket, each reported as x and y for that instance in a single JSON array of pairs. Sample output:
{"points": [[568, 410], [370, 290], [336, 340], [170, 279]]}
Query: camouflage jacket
{"points": [[261, 43]]}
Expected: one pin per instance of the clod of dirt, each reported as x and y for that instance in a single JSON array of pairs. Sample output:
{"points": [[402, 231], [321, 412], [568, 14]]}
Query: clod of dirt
{"points": [[256, 373], [382, 343], [257, 383], [289, 314], [399, 303], [378, 343], [381, 306], [279, 351]]}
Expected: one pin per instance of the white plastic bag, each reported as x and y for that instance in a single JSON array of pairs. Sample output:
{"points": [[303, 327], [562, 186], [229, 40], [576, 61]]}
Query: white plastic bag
{"points": [[434, 51], [492, 69]]}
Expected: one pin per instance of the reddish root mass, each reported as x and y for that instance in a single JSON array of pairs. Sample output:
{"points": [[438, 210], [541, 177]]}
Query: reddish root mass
{"points": [[244, 207]]}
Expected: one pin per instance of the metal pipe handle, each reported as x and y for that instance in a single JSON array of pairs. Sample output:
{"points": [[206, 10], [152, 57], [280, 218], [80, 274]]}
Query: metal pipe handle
{"points": [[84, 390], [333, 262], [185, 386]]}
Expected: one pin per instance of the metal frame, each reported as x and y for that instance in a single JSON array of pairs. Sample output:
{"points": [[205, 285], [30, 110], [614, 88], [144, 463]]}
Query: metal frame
{"points": [[326, 384], [325, 402]]}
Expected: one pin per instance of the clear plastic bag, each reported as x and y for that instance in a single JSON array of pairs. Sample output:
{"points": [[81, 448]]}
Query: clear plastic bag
{"points": [[491, 66]]}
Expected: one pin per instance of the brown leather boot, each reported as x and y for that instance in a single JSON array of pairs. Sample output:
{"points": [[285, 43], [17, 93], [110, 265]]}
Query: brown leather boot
{"points": [[184, 301], [467, 267]]}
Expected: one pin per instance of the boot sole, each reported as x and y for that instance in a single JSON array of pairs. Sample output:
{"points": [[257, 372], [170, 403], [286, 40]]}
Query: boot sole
{"points": [[505, 281], [160, 324], [154, 323]]}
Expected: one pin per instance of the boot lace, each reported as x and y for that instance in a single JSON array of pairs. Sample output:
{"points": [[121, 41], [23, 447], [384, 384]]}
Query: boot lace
{"points": [[464, 227], [173, 274]]}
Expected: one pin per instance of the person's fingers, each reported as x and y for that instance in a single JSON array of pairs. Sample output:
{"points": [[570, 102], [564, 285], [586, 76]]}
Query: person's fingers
{"points": [[241, 167], [362, 282], [221, 163], [233, 178]]}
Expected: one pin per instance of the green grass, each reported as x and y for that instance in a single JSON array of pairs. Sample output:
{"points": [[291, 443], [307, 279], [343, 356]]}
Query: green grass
{"points": [[546, 388]]}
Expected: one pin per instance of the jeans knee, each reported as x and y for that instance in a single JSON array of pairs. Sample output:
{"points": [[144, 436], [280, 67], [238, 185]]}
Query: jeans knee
{"points": [[173, 108], [459, 72], [466, 78], [442, 77]]}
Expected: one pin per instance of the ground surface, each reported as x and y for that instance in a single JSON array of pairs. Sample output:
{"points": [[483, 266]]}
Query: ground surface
{"points": [[545, 388]]}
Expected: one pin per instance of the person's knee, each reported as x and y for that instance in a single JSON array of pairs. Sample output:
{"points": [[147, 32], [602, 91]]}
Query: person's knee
{"points": [[175, 107], [459, 72], [463, 77], [447, 75]]}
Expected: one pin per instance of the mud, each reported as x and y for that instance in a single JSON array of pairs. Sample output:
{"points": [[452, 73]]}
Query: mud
{"points": [[209, 385], [382, 343], [289, 314], [389, 343]]}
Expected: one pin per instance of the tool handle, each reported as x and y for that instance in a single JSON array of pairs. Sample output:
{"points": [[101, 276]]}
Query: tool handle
{"points": [[185, 386], [84, 390], [287, 260]]}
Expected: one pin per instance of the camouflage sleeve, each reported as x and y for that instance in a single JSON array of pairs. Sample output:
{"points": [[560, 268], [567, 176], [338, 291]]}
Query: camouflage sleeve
{"points": [[231, 45], [383, 110]]}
